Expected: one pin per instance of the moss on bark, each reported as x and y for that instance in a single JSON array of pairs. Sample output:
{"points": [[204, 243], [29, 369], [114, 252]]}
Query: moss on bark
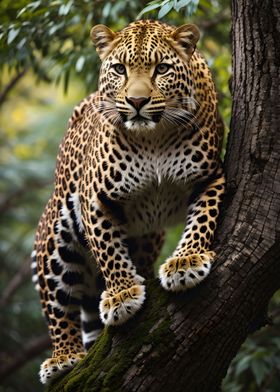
{"points": [[102, 369]]}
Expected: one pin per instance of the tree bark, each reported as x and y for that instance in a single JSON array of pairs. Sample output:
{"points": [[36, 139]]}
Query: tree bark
{"points": [[186, 341]]}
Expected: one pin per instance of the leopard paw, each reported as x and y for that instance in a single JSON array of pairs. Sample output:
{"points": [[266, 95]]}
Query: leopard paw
{"points": [[54, 367], [117, 309], [180, 273]]}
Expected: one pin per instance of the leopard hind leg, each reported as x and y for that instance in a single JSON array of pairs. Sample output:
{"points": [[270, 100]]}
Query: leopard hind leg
{"points": [[90, 320], [60, 276]]}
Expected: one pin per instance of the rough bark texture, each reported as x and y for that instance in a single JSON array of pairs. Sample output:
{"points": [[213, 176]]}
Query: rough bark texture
{"points": [[186, 342]]}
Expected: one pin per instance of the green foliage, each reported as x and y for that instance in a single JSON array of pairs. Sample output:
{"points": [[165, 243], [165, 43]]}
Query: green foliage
{"points": [[256, 367], [51, 37], [30, 133], [164, 7]]}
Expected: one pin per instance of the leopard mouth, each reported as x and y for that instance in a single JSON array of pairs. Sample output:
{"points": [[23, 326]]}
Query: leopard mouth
{"points": [[139, 123], [139, 118]]}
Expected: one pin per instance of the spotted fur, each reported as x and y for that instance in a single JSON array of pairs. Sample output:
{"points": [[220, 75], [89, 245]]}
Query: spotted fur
{"points": [[139, 155]]}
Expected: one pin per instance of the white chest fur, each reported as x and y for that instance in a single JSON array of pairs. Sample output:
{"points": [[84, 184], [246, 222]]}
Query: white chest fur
{"points": [[156, 207]]}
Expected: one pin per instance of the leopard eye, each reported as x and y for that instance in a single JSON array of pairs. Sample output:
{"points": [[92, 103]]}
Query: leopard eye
{"points": [[162, 68], [119, 68]]}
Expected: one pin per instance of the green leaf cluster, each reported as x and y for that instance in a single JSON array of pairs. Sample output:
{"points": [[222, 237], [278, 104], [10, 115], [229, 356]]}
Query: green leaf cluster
{"points": [[189, 7], [256, 367], [51, 37]]}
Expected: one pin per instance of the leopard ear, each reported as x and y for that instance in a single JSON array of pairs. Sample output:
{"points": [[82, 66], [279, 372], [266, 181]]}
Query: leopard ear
{"points": [[187, 36], [103, 38]]}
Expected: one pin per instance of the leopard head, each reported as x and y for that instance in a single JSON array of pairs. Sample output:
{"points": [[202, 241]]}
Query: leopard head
{"points": [[146, 73]]}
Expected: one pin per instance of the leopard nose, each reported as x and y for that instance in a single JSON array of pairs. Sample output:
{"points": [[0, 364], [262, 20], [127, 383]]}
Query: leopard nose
{"points": [[137, 102]]}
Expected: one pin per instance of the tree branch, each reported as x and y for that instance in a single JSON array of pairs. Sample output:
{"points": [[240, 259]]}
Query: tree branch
{"points": [[13, 82], [22, 275], [32, 349], [205, 325], [6, 202]]}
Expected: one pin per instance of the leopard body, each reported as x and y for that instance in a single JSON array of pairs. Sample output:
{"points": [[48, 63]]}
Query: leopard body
{"points": [[140, 154]]}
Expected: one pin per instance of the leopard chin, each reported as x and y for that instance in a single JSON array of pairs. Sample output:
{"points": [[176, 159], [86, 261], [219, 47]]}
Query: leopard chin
{"points": [[140, 125]]}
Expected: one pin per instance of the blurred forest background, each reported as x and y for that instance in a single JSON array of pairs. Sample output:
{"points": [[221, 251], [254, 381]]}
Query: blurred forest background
{"points": [[47, 65]]}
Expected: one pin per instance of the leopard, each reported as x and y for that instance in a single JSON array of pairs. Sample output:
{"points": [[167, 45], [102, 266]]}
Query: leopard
{"points": [[141, 154]]}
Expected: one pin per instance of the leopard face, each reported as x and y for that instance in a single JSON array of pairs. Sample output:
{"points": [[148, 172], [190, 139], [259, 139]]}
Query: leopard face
{"points": [[146, 77]]}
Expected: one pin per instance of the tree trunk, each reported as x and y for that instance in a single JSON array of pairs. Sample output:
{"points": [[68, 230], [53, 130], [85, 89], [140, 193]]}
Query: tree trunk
{"points": [[186, 341]]}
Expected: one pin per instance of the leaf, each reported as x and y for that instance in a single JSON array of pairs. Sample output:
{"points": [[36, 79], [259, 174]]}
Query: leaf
{"points": [[106, 10], [21, 43], [165, 9], [150, 7], [260, 370], [66, 80], [13, 33], [242, 365], [53, 29], [65, 8], [192, 7], [276, 342], [80, 63], [180, 4], [31, 6], [22, 11]]}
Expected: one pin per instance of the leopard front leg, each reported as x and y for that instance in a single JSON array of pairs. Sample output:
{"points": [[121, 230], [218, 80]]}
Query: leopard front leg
{"points": [[124, 293], [191, 260]]}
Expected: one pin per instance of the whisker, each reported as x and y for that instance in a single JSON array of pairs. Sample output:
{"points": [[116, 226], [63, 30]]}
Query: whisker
{"points": [[179, 117], [173, 120], [178, 110], [189, 103], [180, 113]]}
